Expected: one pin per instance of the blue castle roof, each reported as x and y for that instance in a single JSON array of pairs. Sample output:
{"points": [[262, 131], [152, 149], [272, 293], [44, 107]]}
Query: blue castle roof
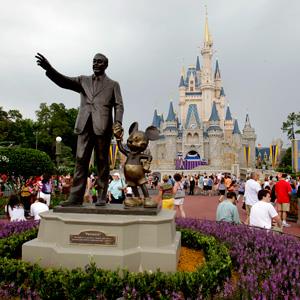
{"points": [[228, 116], [217, 70], [197, 64], [236, 129], [214, 113], [156, 119], [181, 83], [222, 93], [171, 115]]}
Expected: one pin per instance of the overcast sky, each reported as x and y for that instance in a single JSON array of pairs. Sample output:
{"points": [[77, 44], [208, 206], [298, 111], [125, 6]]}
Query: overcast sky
{"points": [[257, 43]]}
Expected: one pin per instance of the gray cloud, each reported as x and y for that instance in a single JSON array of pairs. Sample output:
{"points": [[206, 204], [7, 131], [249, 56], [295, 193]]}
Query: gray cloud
{"points": [[257, 43]]}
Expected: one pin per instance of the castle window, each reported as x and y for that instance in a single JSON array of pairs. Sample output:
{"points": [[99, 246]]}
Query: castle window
{"points": [[191, 89], [191, 82]]}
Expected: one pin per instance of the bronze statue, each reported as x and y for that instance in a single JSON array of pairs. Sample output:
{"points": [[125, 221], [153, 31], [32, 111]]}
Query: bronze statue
{"points": [[138, 163], [100, 96]]}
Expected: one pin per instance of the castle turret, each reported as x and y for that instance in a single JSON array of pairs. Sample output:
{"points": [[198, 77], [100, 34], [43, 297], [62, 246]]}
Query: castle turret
{"points": [[182, 87], [217, 78], [228, 126], [215, 136], [171, 132], [249, 139], [156, 119]]}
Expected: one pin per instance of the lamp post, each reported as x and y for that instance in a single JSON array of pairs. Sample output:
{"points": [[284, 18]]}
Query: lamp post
{"points": [[58, 149]]}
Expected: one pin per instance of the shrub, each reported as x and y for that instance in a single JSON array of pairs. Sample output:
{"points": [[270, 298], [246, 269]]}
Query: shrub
{"points": [[26, 162], [21, 278]]}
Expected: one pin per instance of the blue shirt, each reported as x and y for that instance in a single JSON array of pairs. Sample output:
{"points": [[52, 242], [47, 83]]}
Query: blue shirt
{"points": [[228, 212], [115, 188]]}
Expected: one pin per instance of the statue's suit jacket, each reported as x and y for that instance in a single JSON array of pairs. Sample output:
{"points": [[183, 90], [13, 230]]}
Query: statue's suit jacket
{"points": [[97, 100]]}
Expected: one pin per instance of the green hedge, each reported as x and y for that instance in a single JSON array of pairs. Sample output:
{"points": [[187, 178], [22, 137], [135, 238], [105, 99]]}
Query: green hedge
{"points": [[26, 162], [26, 279]]}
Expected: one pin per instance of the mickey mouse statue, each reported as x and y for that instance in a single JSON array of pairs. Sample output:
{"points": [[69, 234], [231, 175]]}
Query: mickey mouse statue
{"points": [[138, 163]]}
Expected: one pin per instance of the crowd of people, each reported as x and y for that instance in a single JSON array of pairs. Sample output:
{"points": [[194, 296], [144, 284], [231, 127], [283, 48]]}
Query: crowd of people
{"points": [[266, 201], [27, 198]]}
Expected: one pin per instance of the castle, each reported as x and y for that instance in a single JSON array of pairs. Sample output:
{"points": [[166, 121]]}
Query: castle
{"points": [[203, 134]]}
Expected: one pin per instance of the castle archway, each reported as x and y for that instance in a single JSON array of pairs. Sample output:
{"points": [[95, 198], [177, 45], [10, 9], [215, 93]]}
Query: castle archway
{"points": [[192, 155]]}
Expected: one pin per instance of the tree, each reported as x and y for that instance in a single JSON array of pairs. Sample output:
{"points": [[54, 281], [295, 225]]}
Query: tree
{"points": [[26, 162], [55, 120], [291, 124], [285, 164]]}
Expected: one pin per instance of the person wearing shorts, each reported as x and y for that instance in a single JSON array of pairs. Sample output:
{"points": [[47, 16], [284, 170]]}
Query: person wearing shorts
{"points": [[283, 191], [179, 193]]}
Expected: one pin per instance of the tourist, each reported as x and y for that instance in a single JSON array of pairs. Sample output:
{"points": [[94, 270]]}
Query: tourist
{"points": [[185, 183], [166, 193], [210, 183], [205, 188], [115, 190], [46, 189], [179, 194], [221, 189], [283, 193], [227, 210], [38, 207], [200, 183], [66, 186], [241, 189], [227, 181], [252, 187], [14, 209], [192, 185], [263, 214]]}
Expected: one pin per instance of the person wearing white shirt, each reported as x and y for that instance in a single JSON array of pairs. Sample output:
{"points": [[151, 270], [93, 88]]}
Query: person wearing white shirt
{"points": [[38, 207], [263, 213], [252, 187], [14, 209]]}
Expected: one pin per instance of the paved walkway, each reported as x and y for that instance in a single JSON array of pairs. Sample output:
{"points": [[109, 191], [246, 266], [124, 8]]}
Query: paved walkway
{"points": [[204, 207]]}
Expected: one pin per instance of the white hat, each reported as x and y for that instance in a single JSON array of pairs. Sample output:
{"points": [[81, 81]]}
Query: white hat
{"points": [[117, 174]]}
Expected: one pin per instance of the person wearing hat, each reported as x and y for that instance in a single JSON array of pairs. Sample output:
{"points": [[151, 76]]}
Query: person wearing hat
{"points": [[116, 188]]}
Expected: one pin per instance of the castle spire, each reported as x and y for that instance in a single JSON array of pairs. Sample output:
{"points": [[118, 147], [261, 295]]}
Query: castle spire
{"points": [[217, 70], [197, 64], [181, 83], [228, 116], [247, 122], [214, 113], [207, 36], [156, 119], [236, 129], [222, 93], [171, 115]]}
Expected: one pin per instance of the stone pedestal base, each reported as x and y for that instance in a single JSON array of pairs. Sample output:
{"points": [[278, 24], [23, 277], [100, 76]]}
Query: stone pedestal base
{"points": [[137, 243]]}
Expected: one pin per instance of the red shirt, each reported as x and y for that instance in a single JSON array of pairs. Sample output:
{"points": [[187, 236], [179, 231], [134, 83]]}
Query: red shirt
{"points": [[282, 189]]}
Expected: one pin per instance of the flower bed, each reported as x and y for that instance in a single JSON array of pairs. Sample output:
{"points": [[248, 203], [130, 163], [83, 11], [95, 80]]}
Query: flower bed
{"points": [[267, 263], [27, 280], [11, 228]]}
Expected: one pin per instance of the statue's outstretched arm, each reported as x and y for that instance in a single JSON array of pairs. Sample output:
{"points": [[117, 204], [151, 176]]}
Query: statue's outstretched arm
{"points": [[71, 83]]}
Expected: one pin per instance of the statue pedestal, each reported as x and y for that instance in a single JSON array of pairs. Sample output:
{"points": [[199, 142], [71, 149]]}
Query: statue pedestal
{"points": [[136, 242]]}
